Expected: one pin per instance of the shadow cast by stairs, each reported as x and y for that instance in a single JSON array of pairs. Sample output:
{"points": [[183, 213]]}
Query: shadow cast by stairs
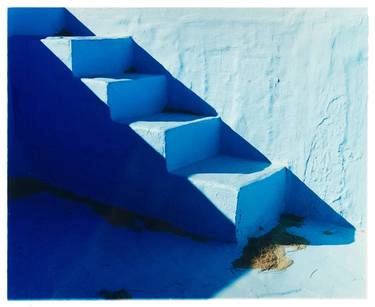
{"points": [[84, 247], [180, 98], [70, 248], [72, 141]]}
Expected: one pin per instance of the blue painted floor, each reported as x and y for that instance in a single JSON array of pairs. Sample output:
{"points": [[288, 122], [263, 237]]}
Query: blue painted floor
{"points": [[61, 249]]}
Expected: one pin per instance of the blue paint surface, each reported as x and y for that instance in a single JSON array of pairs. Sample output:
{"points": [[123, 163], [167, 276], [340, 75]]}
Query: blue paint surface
{"points": [[62, 249], [249, 193], [182, 165], [121, 157], [42, 22], [35, 21], [126, 96], [290, 81], [92, 56], [180, 138], [115, 172]]}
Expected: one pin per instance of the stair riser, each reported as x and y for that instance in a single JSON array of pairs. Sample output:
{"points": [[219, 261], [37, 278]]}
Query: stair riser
{"points": [[183, 145], [91, 58], [128, 101], [192, 143], [132, 99], [259, 206]]}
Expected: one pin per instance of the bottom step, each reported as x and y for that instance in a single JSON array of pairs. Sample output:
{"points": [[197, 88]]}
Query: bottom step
{"points": [[249, 193]]}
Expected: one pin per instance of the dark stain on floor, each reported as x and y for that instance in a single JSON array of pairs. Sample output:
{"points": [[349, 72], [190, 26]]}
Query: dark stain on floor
{"points": [[121, 217]]}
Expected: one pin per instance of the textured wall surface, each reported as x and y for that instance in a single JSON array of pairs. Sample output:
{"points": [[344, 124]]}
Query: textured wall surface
{"points": [[292, 82]]}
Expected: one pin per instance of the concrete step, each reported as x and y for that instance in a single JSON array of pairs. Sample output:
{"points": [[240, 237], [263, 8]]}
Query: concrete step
{"points": [[92, 56], [130, 96], [180, 138], [249, 193]]}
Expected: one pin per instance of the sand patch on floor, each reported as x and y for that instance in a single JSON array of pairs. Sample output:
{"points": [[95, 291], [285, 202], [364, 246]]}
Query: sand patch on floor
{"points": [[268, 252]]}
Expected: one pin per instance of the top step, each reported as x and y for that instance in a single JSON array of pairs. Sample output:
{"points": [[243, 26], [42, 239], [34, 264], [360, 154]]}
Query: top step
{"points": [[92, 56]]}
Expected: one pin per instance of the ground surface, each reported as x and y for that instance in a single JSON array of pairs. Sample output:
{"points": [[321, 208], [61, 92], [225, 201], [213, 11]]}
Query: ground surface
{"points": [[60, 248]]}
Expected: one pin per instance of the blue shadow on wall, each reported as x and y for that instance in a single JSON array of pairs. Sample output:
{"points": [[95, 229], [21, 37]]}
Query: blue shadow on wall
{"points": [[61, 133], [179, 96], [302, 201]]}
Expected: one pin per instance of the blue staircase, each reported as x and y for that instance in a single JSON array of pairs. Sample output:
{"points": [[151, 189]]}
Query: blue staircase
{"points": [[248, 192]]}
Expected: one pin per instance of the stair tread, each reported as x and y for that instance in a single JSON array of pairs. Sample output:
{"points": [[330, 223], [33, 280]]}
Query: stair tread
{"points": [[227, 171], [121, 77], [168, 120]]}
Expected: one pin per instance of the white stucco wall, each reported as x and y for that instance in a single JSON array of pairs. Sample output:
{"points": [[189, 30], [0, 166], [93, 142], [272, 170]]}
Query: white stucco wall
{"points": [[292, 82]]}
